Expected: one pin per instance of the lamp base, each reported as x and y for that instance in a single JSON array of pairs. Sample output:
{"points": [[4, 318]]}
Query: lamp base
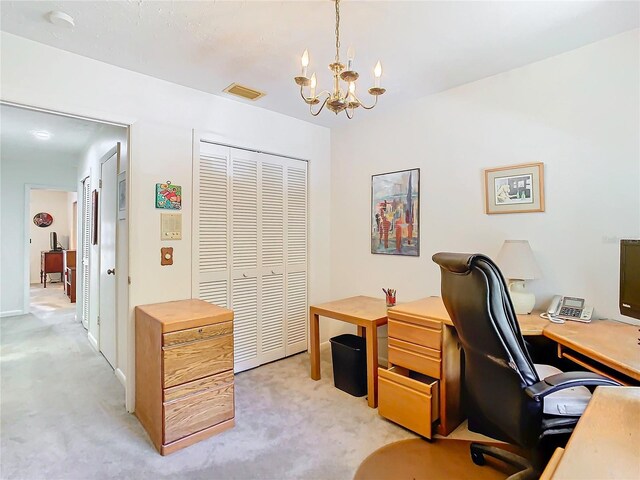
{"points": [[523, 302]]}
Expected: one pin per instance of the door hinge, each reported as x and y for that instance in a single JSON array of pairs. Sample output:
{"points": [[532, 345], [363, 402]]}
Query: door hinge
{"points": [[98, 320], [129, 280], [100, 183]]}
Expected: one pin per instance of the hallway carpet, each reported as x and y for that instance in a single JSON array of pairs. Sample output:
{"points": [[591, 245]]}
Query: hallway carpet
{"points": [[63, 416]]}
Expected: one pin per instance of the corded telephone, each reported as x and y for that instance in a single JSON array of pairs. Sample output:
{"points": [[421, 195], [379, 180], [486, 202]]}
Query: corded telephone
{"points": [[568, 308]]}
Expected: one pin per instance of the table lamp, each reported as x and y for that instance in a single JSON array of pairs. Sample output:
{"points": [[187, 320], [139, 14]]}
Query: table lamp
{"points": [[517, 263]]}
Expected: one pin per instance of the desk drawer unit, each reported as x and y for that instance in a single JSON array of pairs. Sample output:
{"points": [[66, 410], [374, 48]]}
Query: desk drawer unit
{"points": [[184, 372], [421, 385]]}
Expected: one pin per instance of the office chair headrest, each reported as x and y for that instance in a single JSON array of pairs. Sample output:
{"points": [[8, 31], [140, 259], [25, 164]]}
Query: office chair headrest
{"points": [[456, 262]]}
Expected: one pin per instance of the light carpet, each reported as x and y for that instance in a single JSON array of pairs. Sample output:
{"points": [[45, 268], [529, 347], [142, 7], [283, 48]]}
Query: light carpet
{"points": [[63, 416]]}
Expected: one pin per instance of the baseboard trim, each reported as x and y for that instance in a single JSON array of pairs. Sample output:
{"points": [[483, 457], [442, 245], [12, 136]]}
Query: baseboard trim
{"points": [[93, 341], [121, 376], [11, 313]]}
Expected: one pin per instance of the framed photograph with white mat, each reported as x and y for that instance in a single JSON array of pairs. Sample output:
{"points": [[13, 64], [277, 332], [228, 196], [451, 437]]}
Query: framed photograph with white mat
{"points": [[514, 188]]}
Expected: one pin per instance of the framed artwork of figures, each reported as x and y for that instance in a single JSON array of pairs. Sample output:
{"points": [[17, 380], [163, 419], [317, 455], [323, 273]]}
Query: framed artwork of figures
{"points": [[395, 213]]}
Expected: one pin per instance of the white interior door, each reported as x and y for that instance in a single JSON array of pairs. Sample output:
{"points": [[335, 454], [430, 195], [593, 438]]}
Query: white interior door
{"points": [[107, 243]]}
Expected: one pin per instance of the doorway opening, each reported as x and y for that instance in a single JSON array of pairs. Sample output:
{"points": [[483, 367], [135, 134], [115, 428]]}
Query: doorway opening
{"points": [[56, 162], [52, 247]]}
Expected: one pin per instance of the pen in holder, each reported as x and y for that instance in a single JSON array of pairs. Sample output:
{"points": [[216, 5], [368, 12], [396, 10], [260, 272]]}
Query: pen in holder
{"points": [[391, 296]]}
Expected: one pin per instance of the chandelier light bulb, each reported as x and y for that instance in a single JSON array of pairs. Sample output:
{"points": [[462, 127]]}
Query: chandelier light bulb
{"points": [[312, 85], [305, 62], [377, 72], [351, 55], [352, 91]]}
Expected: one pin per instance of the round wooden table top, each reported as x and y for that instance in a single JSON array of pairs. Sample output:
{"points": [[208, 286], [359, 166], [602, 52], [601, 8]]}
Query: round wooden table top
{"points": [[418, 459]]}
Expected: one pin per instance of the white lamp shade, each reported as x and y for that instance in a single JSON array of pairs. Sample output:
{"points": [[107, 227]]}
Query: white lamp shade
{"points": [[516, 260]]}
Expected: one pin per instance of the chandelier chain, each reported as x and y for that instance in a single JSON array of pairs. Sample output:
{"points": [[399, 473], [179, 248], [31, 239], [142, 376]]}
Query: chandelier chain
{"points": [[337, 31]]}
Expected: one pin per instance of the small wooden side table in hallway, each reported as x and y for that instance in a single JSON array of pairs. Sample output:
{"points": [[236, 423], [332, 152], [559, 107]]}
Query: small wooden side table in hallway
{"points": [[368, 314]]}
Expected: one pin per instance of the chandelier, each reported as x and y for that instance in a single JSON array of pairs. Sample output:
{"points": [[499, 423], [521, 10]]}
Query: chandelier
{"points": [[338, 100]]}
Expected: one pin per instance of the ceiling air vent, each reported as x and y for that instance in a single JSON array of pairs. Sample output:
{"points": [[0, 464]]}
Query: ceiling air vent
{"points": [[244, 92]]}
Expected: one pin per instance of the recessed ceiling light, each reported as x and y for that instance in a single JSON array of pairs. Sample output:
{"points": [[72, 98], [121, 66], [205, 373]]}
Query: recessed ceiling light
{"points": [[41, 134], [61, 19]]}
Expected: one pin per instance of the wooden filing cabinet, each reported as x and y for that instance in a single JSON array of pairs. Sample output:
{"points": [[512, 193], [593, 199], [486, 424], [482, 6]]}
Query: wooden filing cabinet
{"points": [[422, 384], [184, 372]]}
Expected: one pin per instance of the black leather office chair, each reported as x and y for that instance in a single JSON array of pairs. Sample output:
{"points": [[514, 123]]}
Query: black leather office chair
{"points": [[504, 396]]}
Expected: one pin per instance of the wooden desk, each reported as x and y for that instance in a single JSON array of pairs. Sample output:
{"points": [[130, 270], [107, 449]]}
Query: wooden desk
{"points": [[602, 346], [433, 307], [368, 314], [606, 442], [606, 342], [50, 262], [422, 339]]}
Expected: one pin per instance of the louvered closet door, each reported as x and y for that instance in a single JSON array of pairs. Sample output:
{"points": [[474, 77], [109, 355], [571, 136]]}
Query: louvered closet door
{"points": [[296, 257], [245, 298], [272, 258], [85, 248], [211, 232], [250, 248]]}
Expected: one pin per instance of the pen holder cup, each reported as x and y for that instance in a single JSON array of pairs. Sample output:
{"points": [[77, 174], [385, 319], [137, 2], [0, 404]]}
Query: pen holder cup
{"points": [[391, 300]]}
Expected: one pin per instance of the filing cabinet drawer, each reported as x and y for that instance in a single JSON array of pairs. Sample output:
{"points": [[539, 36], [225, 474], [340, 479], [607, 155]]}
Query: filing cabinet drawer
{"points": [[414, 357], [208, 383], [198, 333], [192, 413], [415, 319], [408, 399], [186, 362], [418, 334]]}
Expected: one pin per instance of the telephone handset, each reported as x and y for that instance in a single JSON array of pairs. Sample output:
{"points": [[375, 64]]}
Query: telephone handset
{"points": [[569, 308]]}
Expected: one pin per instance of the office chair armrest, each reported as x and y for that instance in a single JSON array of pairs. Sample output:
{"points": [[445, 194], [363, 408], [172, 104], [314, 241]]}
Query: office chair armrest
{"points": [[561, 381]]}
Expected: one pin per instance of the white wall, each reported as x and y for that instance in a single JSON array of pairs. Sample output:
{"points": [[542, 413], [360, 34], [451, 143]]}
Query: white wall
{"points": [[163, 116], [56, 204], [53, 172], [577, 112]]}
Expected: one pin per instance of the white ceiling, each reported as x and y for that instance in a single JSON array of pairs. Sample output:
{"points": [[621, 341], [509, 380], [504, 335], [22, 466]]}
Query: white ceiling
{"points": [[69, 136], [425, 46]]}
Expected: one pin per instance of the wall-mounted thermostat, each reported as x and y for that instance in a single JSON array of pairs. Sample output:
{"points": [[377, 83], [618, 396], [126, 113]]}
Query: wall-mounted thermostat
{"points": [[170, 226]]}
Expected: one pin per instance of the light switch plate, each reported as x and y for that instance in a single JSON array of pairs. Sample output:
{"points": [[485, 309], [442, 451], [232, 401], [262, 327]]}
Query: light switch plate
{"points": [[166, 256]]}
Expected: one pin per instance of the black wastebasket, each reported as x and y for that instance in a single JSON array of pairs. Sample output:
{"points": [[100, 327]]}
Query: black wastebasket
{"points": [[349, 355]]}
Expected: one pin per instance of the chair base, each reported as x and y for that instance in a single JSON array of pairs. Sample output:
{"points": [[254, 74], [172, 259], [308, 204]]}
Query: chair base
{"points": [[478, 451]]}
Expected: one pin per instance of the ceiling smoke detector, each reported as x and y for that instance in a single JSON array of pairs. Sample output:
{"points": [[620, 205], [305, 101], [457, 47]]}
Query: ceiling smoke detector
{"points": [[61, 19], [244, 92]]}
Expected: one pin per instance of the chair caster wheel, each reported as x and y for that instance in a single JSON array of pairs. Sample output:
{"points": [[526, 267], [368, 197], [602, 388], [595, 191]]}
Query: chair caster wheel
{"points": [[478, 458]]}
